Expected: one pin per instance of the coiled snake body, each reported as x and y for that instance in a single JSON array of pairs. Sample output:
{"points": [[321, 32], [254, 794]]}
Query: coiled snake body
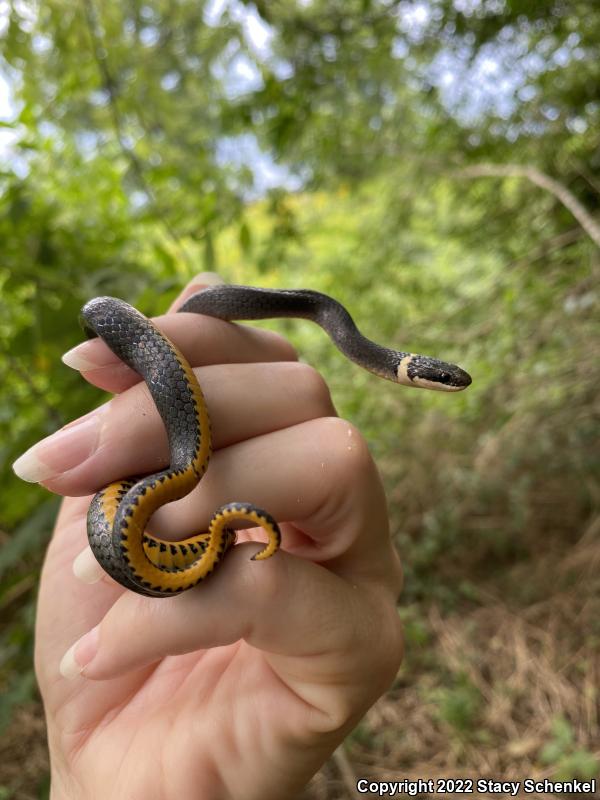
{"points": [[119, 513]]}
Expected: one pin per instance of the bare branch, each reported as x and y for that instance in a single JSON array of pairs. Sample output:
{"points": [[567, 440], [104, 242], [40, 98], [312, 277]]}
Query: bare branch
{"points": [[548, 246], [566, 197]]}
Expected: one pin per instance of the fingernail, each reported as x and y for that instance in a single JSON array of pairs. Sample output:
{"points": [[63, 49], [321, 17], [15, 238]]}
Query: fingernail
{"points": [[86, 568], [86, 356], [80, 654], [61, 451], [207, 279]]}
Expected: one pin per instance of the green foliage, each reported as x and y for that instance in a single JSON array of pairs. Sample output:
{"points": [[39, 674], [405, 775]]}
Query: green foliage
{"points": [[568, 760], [361, 735], [116, 184], [416, 632], [459, 705]]}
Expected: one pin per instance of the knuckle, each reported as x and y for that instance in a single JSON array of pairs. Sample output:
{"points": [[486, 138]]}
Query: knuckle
{"points": [[347, 448], [311, 387]]}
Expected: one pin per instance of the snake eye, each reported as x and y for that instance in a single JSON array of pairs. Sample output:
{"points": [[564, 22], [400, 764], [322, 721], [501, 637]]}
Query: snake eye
{"points": [[445, 377]]}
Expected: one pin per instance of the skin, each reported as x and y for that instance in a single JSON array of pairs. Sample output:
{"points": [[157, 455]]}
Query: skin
{"points": [[243, 686]]}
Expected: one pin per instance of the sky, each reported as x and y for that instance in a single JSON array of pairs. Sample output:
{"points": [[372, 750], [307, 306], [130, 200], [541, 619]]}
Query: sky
{"points": [[490, 83], [7, 107]]}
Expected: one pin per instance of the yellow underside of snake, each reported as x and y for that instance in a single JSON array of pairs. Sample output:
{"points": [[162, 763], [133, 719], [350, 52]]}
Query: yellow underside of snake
{"points": [[120, 512]]}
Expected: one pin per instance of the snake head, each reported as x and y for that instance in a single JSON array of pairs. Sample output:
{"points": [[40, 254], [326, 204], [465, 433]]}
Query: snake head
{"points": [[424, 372]]}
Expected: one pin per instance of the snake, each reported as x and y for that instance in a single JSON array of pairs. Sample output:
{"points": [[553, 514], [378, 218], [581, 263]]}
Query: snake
{"points": [[119, 513]]}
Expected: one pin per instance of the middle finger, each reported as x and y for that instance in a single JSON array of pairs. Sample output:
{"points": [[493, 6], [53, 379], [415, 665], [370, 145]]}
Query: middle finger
{"points": [[126, 436]]}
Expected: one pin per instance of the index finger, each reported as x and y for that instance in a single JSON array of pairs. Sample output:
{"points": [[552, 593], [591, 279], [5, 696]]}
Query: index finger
{"points": [[202, 340]]}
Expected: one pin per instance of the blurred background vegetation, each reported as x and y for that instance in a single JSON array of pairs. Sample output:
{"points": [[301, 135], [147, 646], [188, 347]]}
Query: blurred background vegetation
{"points": [[435, 165]]}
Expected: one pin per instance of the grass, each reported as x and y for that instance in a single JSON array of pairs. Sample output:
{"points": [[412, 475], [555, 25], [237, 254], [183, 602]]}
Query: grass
{"points": [[492, 688], [495, 690], [492, 500]]}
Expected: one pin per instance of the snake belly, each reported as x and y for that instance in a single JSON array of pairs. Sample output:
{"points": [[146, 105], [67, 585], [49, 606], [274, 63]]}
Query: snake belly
{"points": [[119, 513]]}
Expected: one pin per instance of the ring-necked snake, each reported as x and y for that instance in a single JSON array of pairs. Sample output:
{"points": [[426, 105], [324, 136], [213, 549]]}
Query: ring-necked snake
{"points": [[119, 513]]}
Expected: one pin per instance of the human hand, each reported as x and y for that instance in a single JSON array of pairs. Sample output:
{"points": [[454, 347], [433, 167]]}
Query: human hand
{"points": [[243, 686]]}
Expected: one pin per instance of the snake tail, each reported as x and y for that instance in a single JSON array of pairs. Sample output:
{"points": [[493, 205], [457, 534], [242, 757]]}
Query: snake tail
{"points": [[119, 513]]}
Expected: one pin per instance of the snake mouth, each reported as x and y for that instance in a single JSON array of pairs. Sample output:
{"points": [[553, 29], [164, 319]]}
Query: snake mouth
{"points": [[429, 373], [439, 385]]}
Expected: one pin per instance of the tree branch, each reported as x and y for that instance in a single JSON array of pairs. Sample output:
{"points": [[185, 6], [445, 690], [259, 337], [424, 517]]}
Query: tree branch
{"points": [[110, 87], [562, 194]]}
